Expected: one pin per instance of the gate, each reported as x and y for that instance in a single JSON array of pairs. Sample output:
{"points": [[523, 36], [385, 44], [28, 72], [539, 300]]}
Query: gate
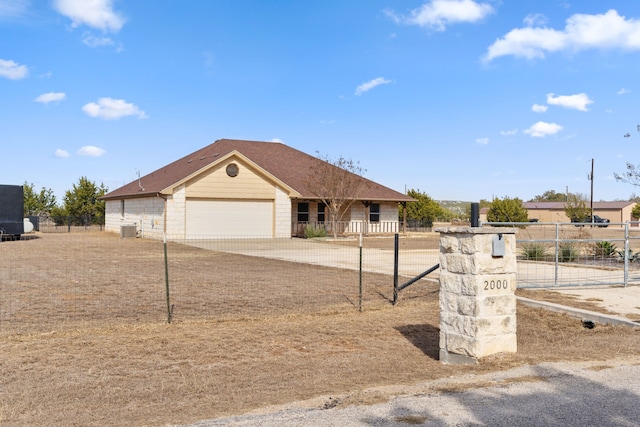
{"points": [[576, 254], [398, 288]]}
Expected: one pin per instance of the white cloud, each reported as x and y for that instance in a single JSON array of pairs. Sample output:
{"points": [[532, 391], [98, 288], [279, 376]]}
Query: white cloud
{"points": [[537, 108], [365, 87], [91, 151], [482, 141], [579, 101], [98, 14], [112, 109], [623, 91], [437, 14], [278, 140], [93, 41], [12, 70], [542, 129], [535, 19], [13, 7], [510, 132], [45, 98], [581, 32], [61, 154]]}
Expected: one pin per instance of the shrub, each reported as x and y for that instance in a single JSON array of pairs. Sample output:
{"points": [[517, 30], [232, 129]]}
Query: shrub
{"points": [[632, 256], [311, 232], [604, 248], [568, 252], [533, 251]]}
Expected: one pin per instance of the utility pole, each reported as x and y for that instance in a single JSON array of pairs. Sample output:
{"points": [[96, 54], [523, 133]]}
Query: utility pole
{"points": [[591, 179]]}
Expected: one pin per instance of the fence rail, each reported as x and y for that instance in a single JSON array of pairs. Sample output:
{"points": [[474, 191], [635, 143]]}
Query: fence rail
{"points": [[299, 228]]}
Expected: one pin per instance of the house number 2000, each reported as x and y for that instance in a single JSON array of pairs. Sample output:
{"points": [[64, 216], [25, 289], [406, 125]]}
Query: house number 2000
{"points": [[490, 285]]}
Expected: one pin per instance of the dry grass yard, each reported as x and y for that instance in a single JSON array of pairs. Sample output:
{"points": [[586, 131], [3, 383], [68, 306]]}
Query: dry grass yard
{"points": [[85, 342]]}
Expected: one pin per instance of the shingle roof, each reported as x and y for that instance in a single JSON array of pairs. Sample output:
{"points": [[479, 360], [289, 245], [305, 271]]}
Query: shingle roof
{"points": [[285, 163]]}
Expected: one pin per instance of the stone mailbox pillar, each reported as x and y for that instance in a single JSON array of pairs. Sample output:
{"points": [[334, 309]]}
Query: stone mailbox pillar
{"points": [[477, 300]]}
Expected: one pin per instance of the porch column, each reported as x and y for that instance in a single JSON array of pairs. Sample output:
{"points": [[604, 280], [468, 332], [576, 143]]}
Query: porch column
{"points": [[365, 222]]}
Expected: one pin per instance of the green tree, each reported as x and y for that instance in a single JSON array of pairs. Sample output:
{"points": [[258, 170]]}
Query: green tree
{"points": [[635, 212], [38, 203], [425, 210], [83, 202], [576, 208], [507, 210], [550, 196]]}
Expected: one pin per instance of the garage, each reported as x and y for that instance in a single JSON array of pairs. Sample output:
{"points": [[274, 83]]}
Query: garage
{"points": [[229, 218]]}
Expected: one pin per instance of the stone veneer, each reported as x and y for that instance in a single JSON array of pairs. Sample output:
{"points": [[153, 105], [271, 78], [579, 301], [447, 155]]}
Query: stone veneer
{"points": [[477, 300]]}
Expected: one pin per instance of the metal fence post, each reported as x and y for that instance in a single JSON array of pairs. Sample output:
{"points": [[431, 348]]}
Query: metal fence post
{"points": [[626, 253], [360, 277], [166, 280], [395, 268], [555, 275]]}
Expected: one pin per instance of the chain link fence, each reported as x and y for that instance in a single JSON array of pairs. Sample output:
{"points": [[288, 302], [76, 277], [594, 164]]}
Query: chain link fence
{"points": [[60, 280]]}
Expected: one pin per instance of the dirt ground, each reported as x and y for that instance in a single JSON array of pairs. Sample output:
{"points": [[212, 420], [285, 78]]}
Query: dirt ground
{"points": [[84, 337]]}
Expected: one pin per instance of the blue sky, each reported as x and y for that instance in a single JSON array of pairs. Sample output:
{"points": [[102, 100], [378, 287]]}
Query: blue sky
{"points": [[461, 99]]}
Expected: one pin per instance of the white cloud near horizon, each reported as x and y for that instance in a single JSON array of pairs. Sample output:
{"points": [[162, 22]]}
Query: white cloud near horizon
{"points": [[623, 91], [482, 141], [437, 14], [45, 98], [578, 101], [537, 108], [91, 151], [12, 70], [365, 87], [542, 129], [581, 32], [510, 132], [98, 14], [61, 154], [112, 109]]}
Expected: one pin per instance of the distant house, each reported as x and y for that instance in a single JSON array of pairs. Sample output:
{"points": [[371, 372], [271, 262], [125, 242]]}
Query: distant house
{"points": [[555, 211], [235, 188]]}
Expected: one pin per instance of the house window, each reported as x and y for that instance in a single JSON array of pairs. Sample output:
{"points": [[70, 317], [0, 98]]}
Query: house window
{"points": [[303, 212], [321, 212], [374, 212]]}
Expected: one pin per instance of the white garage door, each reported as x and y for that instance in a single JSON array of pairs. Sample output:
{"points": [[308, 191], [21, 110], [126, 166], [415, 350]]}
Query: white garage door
{"points": [[209, 219]]}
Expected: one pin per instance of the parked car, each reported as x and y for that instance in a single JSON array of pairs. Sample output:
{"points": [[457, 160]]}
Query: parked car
{"points": [[597, 221]]}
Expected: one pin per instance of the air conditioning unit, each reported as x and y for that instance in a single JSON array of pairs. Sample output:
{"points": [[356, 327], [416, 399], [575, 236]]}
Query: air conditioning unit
{"points": [[128, 231]]}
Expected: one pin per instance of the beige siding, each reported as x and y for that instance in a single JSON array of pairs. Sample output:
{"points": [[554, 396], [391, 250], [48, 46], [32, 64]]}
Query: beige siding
{"points": [[216, 184], [282, 208], [176, 213]]}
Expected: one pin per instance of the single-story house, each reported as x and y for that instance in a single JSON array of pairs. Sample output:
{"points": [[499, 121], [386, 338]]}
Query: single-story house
{"points": [[235, 188], [615, 212]]}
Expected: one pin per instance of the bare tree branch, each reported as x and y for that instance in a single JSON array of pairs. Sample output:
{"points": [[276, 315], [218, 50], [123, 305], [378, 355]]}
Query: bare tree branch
{"points": [[337, 183]]}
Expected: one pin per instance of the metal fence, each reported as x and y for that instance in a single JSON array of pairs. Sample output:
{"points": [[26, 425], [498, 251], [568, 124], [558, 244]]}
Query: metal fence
{"points": [[576, 254], [53, 281]]}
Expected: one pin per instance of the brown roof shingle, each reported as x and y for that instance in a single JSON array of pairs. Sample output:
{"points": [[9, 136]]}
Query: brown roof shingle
{"points": [[287, 164]]}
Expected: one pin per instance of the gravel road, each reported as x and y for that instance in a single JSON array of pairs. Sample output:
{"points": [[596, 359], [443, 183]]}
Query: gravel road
{"points": [[550, 394]]}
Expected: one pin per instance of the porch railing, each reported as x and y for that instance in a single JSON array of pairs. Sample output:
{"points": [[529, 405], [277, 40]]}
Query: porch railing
{"points": [[347, 227]]}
